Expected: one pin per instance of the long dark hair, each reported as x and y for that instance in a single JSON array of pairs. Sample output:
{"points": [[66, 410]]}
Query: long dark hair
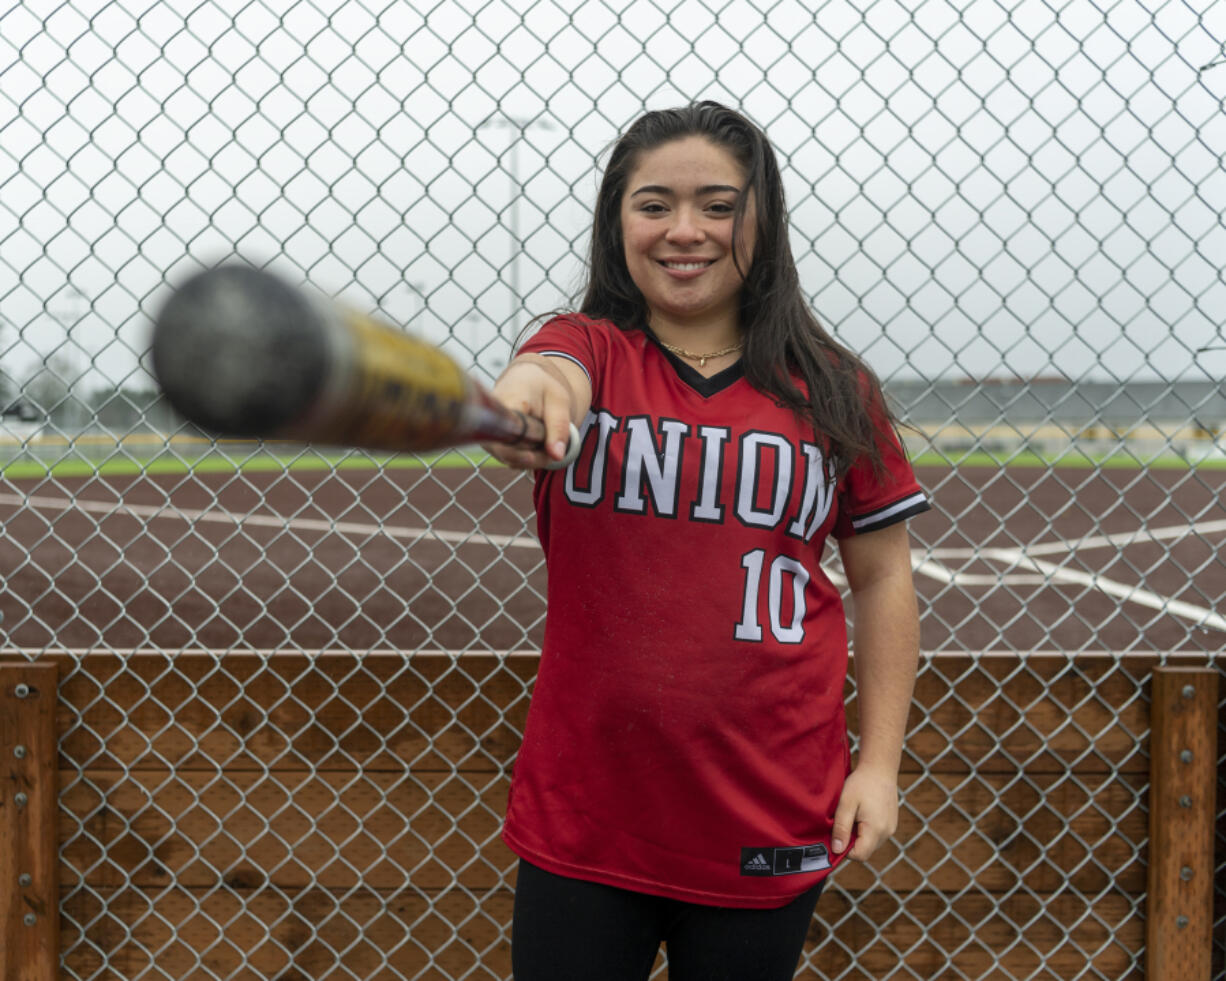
{"points": [[782, 336]]}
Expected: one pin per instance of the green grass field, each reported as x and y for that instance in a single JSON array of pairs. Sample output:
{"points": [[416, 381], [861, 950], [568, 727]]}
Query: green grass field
{"points": [[241, 457], [230, 460], [1121, 459]]}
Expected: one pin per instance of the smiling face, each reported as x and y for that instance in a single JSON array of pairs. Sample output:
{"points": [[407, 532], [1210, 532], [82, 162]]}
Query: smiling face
{"points": [[677, 231]]}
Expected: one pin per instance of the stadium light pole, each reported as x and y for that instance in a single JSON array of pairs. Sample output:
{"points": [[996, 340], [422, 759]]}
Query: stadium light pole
{"points": [[519, 127]]}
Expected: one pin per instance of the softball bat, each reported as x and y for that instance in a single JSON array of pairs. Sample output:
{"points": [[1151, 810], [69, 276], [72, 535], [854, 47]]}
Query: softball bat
{"points": [[241, 352]]}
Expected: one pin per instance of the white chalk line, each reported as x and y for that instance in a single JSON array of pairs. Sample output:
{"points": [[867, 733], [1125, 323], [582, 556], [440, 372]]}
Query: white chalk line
{"points": [[1044, 573], [1202, 616], [1140, 537], [237, 518], [923, 562]]}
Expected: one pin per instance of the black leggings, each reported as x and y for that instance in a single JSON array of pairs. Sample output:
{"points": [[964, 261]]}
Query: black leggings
{"points": [[564, 929]]}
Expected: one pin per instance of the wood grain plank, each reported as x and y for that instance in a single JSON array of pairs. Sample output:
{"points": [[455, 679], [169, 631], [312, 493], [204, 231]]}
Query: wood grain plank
{"points": [[1179, 913], [334, 711], [1044, 712], [341, 830]]}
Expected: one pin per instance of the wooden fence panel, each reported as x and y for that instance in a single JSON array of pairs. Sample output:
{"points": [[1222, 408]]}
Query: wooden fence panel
{"points": [[318, 817]]}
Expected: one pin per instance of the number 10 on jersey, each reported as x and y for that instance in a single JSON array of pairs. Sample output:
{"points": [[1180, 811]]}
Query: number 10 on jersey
{"points": [[783, 571]]}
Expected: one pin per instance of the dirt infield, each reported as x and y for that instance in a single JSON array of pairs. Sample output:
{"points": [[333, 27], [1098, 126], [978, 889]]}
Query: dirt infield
{"points": [[1071, 559], [1021, 559]]}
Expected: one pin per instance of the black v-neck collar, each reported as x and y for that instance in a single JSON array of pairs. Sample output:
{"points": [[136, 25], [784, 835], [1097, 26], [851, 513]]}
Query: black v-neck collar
{"points": [[704, 386]]}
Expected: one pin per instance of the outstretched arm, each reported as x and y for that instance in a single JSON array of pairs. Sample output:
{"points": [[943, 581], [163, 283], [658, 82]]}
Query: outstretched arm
{"points": [[885, 624], [555, 390]]}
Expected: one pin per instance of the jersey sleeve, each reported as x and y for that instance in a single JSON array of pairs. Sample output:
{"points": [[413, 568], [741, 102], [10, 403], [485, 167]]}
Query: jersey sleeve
{"points": [[573, 337], [870, 500]]}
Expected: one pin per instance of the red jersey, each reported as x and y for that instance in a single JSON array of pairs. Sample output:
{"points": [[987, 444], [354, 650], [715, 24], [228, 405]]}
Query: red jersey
{"points": [[686, 735]]}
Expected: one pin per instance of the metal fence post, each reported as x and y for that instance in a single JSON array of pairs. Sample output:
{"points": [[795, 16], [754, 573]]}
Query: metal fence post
{"points": [[29, 864], [1183, 758]]}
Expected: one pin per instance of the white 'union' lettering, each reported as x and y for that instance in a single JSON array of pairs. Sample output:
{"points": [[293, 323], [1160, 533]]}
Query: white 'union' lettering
{"points": [[595, 487], [818, 496], [752, 473], [708, 507], [662, 469]]}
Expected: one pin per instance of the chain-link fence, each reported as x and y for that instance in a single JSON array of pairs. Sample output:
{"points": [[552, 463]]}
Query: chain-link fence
{"points": [[1014, 210]]}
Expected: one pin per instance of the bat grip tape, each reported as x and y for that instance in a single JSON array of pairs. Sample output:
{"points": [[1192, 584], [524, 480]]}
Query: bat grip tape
{"points": [[532, 433]]}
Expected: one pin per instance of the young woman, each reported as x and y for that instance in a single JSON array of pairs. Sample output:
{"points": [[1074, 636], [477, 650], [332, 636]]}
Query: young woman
{"points": [[685, 775]]}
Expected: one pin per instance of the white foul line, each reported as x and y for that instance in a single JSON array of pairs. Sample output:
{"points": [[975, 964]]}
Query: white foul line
{"points": [[944, 574], [1139, 537], [1202, 616], [271, 521], [1048, 572]]}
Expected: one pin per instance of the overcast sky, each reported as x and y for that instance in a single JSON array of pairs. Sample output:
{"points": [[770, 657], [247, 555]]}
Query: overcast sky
{"points": [[977, 188]]}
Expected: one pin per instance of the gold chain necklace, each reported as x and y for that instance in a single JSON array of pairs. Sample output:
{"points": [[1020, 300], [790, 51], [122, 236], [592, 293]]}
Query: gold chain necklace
{"points": [[702, 359]]}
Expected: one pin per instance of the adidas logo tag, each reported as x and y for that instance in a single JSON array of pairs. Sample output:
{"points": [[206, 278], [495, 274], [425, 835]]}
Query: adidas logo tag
{"points": [[758, 864], [757, 861]]}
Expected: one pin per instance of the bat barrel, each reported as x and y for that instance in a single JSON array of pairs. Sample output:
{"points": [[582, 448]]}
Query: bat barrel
{"points": [[239, 352]]}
